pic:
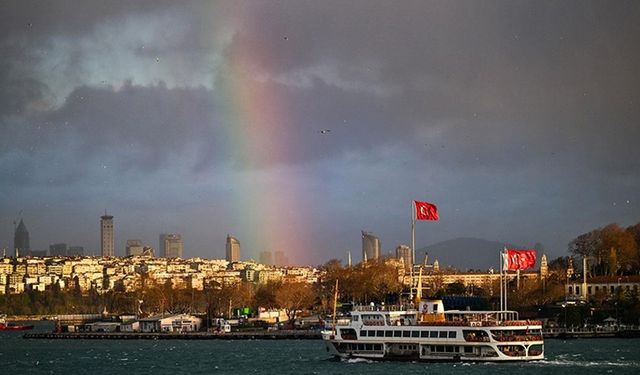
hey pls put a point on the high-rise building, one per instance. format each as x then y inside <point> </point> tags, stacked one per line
<point>21,240</point>
<point>404,252</point>
<point>106,236</point>
<point>280,259</point>
<point>171,245</point>
<point>134,247</point>
<point>75,251</point>
<point>370,246</point>
<point>266,258</point>
<point>58,249</point>
<point>233,249</point>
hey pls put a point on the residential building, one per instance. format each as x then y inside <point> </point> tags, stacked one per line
<point>603,286</point>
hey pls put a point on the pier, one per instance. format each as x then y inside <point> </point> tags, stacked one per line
<point>242,335</point>
<point>590,333</point>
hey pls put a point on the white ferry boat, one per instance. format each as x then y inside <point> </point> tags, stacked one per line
<point>432,334</point>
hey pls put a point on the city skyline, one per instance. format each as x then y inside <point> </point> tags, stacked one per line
<point>295,125</point>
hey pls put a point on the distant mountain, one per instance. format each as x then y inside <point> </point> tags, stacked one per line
<point>464,253</point>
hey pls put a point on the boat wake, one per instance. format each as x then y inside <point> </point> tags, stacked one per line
<point>569,363</point>
<point>356,360</point>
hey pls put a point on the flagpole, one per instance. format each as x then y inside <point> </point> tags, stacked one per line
<point>413,244</point>
<point>506,285</point>
<point>413,234</point>
<point>501,292</point>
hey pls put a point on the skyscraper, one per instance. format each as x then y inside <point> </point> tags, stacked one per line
<point>266,258</point>
<point>280,259</point>
<point>404,252</point>
<point>233,249</point>
<point>106,236</point>
<point>134,247</point>
<point>21,240</point>
<point>370,246</point>
<point>171,245</point>
<point>58,249</point>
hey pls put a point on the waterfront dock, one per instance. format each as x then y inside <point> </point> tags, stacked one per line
<point>242,335</point>
<point>590,333</point>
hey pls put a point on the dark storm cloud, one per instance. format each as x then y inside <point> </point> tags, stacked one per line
<point>146,126</point>
<point>498,107</point>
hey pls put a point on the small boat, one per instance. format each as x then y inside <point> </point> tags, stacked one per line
<point>5,326</point>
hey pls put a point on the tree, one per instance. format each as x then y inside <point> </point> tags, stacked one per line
<point>586,244</point>
<point>621,248</point>
<point>294,297</point>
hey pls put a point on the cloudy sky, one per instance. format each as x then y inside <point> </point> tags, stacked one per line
<point>293,125</point>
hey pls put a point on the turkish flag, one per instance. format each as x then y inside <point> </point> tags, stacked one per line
<point>519,259</point>
<point>426,211</point>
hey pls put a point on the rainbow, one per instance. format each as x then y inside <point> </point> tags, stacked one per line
<point>269,213</point>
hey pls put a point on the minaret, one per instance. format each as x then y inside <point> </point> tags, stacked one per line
<point>570,270</point>
<point>106,235</point>
<point>544,267</point>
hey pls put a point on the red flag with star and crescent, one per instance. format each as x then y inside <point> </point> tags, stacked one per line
<point>519,259</point>
<point>426,211</point>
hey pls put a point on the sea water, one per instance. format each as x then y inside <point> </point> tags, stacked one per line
<point>21,356</point>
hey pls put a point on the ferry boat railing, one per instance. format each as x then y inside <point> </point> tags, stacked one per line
<point>385,308</point>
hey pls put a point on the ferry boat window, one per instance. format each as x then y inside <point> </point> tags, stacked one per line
<point>388,333</point>
<point>415,333</point>
<point>371,334</point>
<point>355,318</point>
<point>363,333</point>
<point>380,333</point>
<point>424,334</point>
<point>406,333</point>
<point>449,349</point>
<point>452,334</point>
<point>397,333</point>
<point>468,349</point>
<point>368,347</point>
<point>440,348</point>
<point>433,334</point>
<point>443,334</point>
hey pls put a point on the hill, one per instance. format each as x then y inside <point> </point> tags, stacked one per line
<point>464,253</point>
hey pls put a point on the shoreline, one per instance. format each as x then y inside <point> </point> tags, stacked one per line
<point>277,335</point>
<point>247,335</point>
